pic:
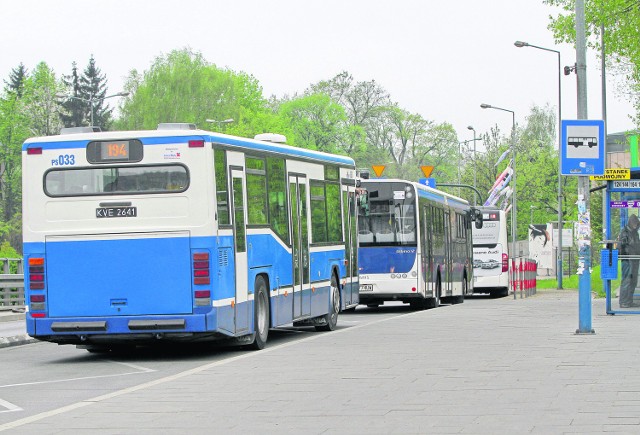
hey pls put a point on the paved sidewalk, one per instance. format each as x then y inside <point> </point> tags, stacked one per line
<point>488,366</point>
<point>12,328</point>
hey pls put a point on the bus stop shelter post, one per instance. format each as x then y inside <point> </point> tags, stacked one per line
<point>607,236</point>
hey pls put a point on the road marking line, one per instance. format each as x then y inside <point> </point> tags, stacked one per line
<point>10,406</point>
<point>195,370</point>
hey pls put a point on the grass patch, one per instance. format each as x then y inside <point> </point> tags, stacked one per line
<point>571,282</point>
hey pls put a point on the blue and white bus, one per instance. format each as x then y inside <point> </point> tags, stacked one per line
<point>182,234</point>
<point>415,244</point>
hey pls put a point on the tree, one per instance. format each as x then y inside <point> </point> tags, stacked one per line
<point>363,103</point>
<point>74,110</point>
<point>537,168</point>
<point>316,122</point>
<point>620,20</point>
<point>17,77</point>
<point>410,141</point>
<point>93,87</point>
<point>40,102</point>
<point>183,87</point>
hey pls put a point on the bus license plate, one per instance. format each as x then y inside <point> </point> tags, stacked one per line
<point>366,287</point>
<point>112,212</point>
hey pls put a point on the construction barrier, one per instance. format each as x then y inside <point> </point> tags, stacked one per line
<point>524,273</point>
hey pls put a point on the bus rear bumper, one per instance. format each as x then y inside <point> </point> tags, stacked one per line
<point>371,298</point>
<point>139,329</point>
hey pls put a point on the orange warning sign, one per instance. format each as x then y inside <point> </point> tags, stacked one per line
<point>427,170</point>
<point>378,169</point>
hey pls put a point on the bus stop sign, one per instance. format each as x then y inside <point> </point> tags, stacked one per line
<point>582,148</point>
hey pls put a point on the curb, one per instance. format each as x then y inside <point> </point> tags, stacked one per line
<point>16,341</point>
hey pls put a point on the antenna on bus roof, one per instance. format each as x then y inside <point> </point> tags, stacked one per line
<point>271,137</point>
<point>176,126</point>
<point>76,130</point>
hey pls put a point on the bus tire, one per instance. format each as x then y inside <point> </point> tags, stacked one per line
<point>437,293</point>
<point>260,314</point>
<point>331,319</point>
<point>465,289</point>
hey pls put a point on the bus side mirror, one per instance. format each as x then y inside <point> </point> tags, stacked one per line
<point>476,216</point>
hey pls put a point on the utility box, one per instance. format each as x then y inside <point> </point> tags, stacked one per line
<point>609,264</point>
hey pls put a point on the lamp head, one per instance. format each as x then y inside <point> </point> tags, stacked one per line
<point>521,44</point>
<point>471,128</point>
<point>485,106</point>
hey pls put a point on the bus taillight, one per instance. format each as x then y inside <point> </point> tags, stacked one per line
<point>203,298</point>
<point>505,263</point>
<point>36,282</point>
<point>201,268</point>
<point>196,143</point>
<point>36,273</point>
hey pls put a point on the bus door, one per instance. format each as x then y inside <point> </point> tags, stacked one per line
<point>351,292</point>
<point>242,307</point>
<point>300,245</point>
<point>448,260</point>
<point>425,241</point>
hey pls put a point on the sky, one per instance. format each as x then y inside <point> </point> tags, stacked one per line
<point>440,59</point>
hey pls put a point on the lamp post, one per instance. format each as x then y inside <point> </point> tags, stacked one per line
<point>93,100</point>
<point>514,211</point>
<point>220,123</point>
<point>521,44</point>
<point>531,207</point>
<point>474,160</point>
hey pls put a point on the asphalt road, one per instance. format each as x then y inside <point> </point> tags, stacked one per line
<point>41,377</point>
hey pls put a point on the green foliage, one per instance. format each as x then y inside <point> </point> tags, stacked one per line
<point>620,20</point>
<point>315,122</point>
<point>182,87</point>
<point>571,282</point>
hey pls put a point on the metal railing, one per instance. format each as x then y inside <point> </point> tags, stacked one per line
<point>11,283</point>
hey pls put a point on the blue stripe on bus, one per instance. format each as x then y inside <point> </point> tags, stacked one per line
<point>383,259</point>
<point>86,290</point>
<point>282,149</point>
<point>226,140</point>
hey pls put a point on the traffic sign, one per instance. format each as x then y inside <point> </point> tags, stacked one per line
<point>431,182</point>
<point>378,169</point>
<point>582,147</point>
<point>427,170</point>
<point>612,174</point>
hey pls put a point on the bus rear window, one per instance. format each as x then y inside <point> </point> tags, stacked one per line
<point>116,180</point>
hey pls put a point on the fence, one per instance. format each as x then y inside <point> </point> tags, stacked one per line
<point>524,272</point>
<point>11,284</point>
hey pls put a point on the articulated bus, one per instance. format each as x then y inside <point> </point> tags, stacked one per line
<point>180,234</point>
<point>415,244</point>
<point>490,254</point>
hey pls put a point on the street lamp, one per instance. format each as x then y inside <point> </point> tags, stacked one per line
<point>93,100</point>
<point>531,207</point>
<point>474,159</point>
<point>224,121</point>
<point>514,215</point>
<point>521,44</point>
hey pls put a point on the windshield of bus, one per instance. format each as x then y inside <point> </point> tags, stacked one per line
<point>116,180</point>
<point>489,234</point>
<point>387,215</point>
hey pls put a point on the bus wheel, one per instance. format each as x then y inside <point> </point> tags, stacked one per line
<point>331,319</point>
<point>438,292</point>
<point>260,314</point>
<point>465,289</point>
